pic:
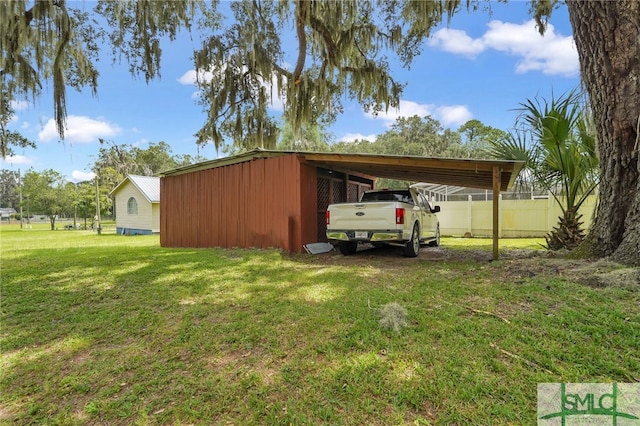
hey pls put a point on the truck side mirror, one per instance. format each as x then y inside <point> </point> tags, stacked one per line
<point>436,209</point>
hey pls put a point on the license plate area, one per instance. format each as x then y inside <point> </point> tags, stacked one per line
<point>361,235</point>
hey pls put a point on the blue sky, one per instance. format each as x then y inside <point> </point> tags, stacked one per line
<point>479,66</point>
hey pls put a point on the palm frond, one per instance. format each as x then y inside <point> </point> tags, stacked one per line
<point>556,140</point>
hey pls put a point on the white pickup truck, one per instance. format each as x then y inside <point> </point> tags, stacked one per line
<point>400,217</point>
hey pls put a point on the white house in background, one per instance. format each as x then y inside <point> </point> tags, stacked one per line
<point>137,205</point>
<point>6,213</point>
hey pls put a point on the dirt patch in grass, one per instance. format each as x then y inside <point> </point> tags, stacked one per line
<point>597,274</point>
<point>515,265</point>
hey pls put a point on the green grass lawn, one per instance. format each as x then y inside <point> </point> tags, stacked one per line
<point>116,330</point>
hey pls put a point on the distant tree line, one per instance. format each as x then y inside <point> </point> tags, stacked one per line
<point>49,193</point>
<point>412,136</point>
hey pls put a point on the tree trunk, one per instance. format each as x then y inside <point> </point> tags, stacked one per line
<point>607,37</point>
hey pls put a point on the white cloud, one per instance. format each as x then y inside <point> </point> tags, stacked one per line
<point>405,109</point>
<point>457,41</point>
<point>447,114</point>
<point>551,54</point>
<point>17,160</point>
<point>190,77</point>
<point>78,176</point>
<point>352,137</point>
<point>455,115</point>
<point>19,105</point>
<point>79,130</point>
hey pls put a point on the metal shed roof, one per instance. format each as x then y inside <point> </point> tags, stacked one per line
<point>149,186</point>
<point>444,171</point>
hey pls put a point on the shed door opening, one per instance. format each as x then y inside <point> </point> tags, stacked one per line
<point>332,189</point>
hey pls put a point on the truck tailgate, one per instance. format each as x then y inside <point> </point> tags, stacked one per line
<point>369,215</point>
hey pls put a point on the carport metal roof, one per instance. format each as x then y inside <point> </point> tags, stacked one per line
<point>445,171</point>
<point>497,175</point>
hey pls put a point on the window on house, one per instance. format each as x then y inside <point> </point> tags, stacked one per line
<point>132,206</point>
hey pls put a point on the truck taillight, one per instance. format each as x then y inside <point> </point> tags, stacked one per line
<point>328,216</point>
<point>399,216</point>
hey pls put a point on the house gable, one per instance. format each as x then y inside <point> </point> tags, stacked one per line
<point>137,208</point>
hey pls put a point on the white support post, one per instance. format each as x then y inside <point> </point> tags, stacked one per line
<point>469,213</point>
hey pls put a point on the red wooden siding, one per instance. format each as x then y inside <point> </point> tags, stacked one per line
<point>309,204</point>
<point>268,202</point>
<point>265,202</point>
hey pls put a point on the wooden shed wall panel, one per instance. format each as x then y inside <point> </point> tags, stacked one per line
<point>309,204</point>
<point>252,204</point>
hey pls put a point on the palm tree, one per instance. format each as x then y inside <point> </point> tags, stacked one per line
<point>557,143</point>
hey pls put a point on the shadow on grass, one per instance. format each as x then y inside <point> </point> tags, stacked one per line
<point>89,332</point>
<point>138,333</point>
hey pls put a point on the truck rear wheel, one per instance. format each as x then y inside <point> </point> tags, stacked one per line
<point>412,247</point>
<point>347,247</point>
<point>436,241</point>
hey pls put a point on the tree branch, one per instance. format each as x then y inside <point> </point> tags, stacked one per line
<point>518,357</point>
<point>320,27</point>
<point>302,40</point>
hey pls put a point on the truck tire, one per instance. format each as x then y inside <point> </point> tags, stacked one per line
<point>348,247</point>
<point>436,241</point>
<point>412,247</point>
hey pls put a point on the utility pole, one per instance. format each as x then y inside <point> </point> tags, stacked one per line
<point>98,207</point>
<point>20,188</point>
<point>75,205</point>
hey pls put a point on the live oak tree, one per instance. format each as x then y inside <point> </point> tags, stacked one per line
<point>310,137</point>
<point>341,52</point>
<point>9,189</point>
<point>420,137</point>
<point>114,162</point>
<point>426,136</point>
<point>10,138</point>
<point>84,201</point>
<point>477,138</point>
<point>607,36</point>
<point>423,136</point>
<point>44,42</point>
<point>44,193</point>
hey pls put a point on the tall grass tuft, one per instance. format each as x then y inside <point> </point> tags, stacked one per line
<point>393,317</point>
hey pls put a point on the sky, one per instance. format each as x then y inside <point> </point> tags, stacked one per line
<point>479,65</point>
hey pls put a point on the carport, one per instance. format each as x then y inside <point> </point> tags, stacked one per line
<point>496,175</point>
<point>267,198</point>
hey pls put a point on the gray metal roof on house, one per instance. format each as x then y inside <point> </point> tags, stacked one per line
<point>7,211</point>
<point>149,186</point>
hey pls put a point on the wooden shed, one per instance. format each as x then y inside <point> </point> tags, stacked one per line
<point>137,205</point>
<point>257,199</point>
<point>279,198</point>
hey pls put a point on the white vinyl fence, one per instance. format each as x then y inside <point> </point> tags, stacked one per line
<point>517,218</point>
